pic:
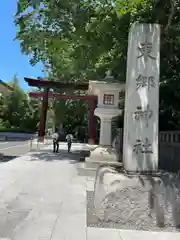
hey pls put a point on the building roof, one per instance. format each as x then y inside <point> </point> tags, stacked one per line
<point>56,84</point>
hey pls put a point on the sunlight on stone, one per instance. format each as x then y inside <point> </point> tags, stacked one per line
<point>143,94</point>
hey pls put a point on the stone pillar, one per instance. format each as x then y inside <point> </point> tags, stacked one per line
<point>105,132</point>
<point>140,148</point>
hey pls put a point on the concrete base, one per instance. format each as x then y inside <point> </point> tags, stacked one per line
<point>102,155</point>
<point>141,202</point>
<point>98,156</point>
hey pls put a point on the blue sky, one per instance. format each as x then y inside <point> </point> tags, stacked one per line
<point>12,61</point>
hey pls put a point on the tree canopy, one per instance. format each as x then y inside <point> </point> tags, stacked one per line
<point>17,110</point>
<point>83,39</point>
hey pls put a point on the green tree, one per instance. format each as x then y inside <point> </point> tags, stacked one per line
<point>13,106</point>
<point>17,110</point>
<point>31,115</point>
<point>82,39</point>
<point>75,114</point>
<point>70,113</point>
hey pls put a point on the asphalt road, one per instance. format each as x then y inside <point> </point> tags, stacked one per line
<point>12,149</point>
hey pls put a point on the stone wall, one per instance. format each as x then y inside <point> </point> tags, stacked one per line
<point>19,136</point>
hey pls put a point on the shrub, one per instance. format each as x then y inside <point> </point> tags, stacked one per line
<point>15,130</point>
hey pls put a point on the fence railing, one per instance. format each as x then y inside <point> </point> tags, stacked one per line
<point>169,150</point>
<point>169,136</point>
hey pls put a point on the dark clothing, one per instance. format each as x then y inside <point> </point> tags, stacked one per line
<point>55,146</point>
<point>69,143</point>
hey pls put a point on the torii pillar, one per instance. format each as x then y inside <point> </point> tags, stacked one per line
<point>43,115</point>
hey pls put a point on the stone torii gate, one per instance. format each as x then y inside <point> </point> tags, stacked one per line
<point>69,87</point>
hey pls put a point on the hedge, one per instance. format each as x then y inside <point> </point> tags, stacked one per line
<point>16,130</point>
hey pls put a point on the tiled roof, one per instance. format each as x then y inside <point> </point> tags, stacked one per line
<point>56,84</point>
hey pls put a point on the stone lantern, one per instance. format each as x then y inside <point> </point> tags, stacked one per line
<point>108,93</point>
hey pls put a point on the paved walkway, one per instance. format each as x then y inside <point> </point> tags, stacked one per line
<point>43,198</point>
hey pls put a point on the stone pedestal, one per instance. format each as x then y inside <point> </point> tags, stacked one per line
<point>105,153</point>
<point>140,202</point>
<point>106,115</point>
<point>105,132</point>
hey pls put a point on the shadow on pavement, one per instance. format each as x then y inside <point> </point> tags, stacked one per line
<point>47,155</point>
<point>7,158</point>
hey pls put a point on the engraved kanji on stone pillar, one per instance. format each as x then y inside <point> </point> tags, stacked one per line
<point>140,149</point>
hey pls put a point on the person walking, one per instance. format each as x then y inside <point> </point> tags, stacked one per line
<point>56,138</point>
<point>69,138</point>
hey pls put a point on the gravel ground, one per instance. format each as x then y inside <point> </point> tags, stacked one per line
<point>135,223</point>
